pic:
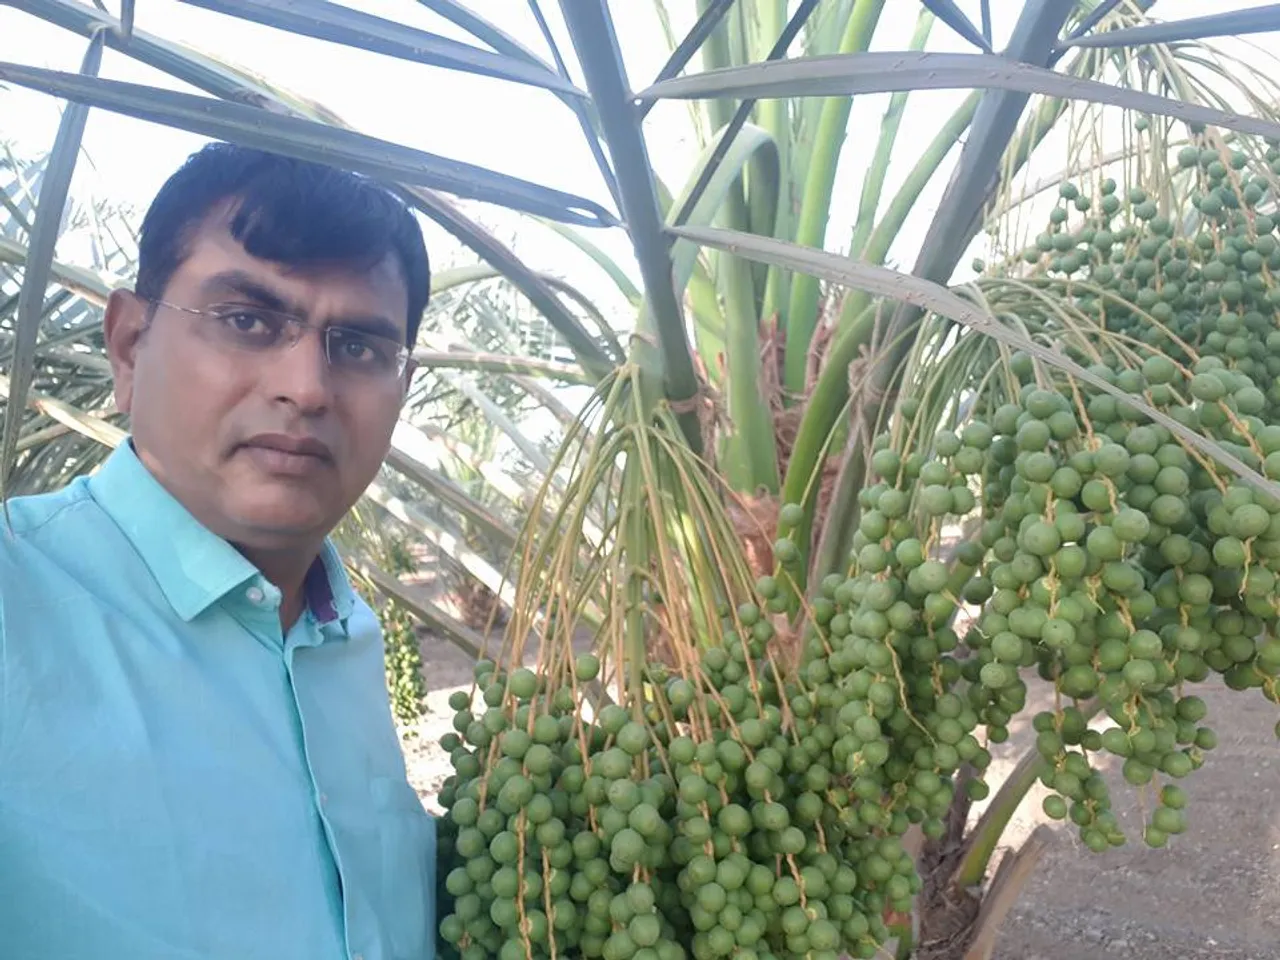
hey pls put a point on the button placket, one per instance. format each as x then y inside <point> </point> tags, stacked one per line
<point>291,645</point>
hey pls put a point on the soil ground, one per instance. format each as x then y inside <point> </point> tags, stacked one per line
<point>1212,894</point>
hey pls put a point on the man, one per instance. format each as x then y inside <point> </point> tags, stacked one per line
<point>197,756</point>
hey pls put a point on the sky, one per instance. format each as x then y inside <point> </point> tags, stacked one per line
<point>518,130</point>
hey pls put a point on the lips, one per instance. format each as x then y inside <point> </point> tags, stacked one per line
<point>287,443</point>
<point>279,453</point>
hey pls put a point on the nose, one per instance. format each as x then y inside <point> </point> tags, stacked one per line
<point>299,374</point>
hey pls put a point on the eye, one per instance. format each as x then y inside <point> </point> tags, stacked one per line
<point>247,321</point>
<point>357,348</point>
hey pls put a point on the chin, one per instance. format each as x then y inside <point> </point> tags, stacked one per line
<point>283,517</point>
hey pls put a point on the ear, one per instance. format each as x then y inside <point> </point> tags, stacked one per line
<point>124,323</point>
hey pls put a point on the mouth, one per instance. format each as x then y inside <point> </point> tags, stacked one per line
<point>287,455</point>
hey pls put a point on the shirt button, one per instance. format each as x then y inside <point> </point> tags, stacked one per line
<point>255,595</point>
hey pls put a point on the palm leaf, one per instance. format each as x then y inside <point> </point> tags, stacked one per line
<point>37,268</point>
<point>1262,19</point>
<point>230,83</point>
<point>444,540</point>
<point>337,24</point>
<point>994,123</point>
<point>954,17</point>
<point>885,72</point>
<point>449,279</point>
<point>78,421</point>
<point>89,284</point>
<point>708,19</point>
<point>430,436</point>
<point>309,140</point>
<point>605,262</point>
<point>453,496</point>
<point>328,21</point>
<point>482,29</point>
<point>499,363</point>
<point>752,143</point>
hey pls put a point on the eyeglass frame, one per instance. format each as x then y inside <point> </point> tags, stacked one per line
<point>402,353</point>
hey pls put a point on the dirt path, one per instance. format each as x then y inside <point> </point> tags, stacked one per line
<point>1212,894</point>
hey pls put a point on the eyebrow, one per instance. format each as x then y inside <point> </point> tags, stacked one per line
<point>243,284</point>
<point>374,324</point>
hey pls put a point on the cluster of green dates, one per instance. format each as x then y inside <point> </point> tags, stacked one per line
<point>737,808</point>
<point>715,817</point>
<point>1207,294</point>
<point>1123,569</point>
<point>1117,561</point>
<point>1122,563</point>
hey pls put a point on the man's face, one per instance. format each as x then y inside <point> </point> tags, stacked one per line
<point>216,425</point>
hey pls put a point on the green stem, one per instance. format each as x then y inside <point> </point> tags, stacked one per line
<point>906,942</point>
<point>801,317</point>
<point>764,209</point>
<point>751,456</point>
<point>822,35</point>
<point>638,564</point>
<point>984,839</point>
<point>842,515</point>
<point>873,182</point>
<point>715,54</point>
<point>769,215</point>
<point>904,201</point>
<point>823,410</point>
<point>709,328</point>
<point>599,257</point>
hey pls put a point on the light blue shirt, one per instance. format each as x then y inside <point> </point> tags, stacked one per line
<point>178,778</point>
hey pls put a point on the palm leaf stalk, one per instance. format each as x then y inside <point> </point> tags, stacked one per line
<point>591,28</point>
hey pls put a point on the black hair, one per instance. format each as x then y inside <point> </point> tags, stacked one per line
<point>287,211</point>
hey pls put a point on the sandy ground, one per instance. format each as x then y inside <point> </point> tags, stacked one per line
<point>1212,894</point>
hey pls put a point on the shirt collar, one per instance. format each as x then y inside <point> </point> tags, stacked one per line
<point>193,566</point>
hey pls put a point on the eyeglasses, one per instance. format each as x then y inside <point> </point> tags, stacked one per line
<point>247,328</point>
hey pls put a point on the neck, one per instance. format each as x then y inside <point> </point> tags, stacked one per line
<point>287,570</point>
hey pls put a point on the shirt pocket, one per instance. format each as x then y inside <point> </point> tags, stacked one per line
<point>407,834</point>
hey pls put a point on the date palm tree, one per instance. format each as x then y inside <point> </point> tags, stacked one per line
<point>756,366</point>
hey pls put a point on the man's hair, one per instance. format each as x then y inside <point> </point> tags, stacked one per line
<point>287,211</point>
